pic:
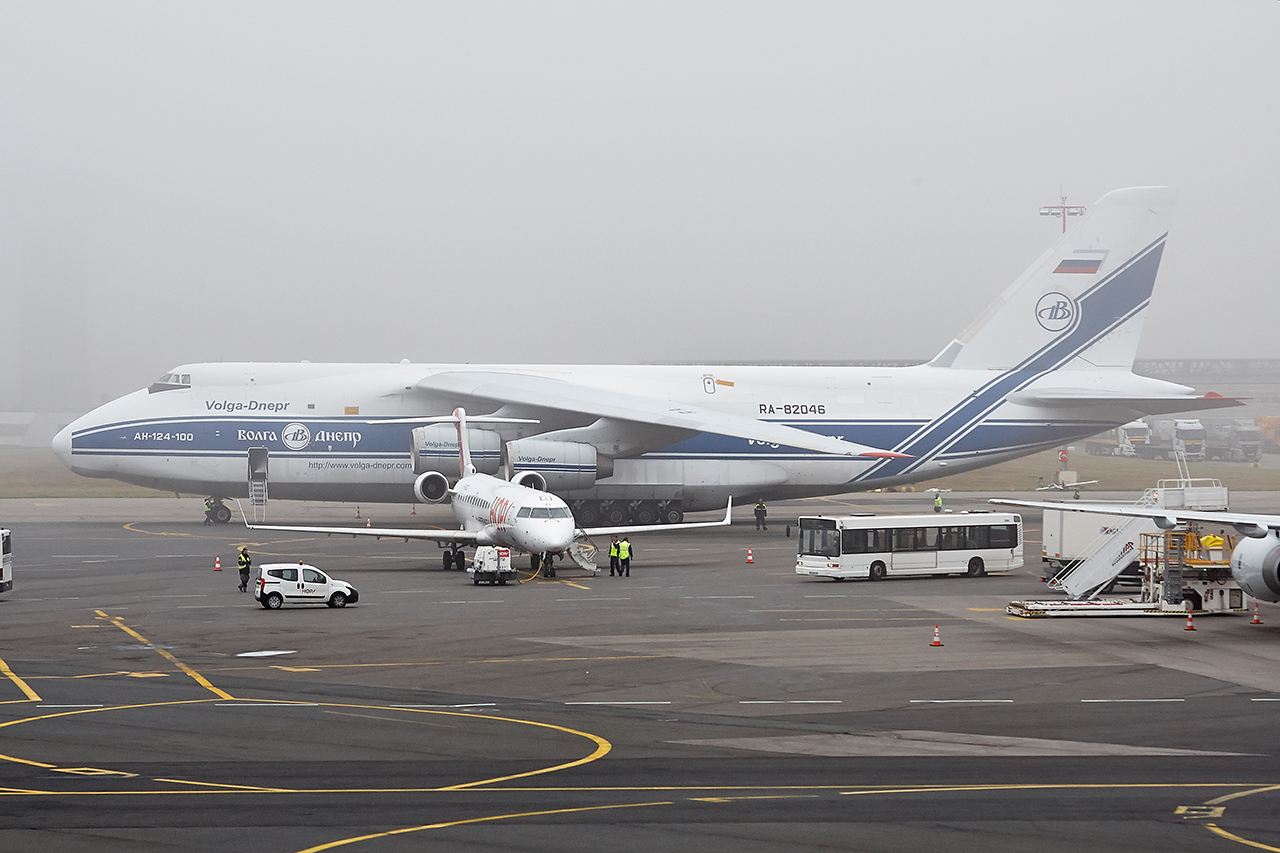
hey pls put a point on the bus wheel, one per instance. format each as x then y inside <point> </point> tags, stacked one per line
<point>976,568</point>
<point>877,571</point>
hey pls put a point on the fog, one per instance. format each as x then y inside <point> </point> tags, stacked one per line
<point>603,182</point>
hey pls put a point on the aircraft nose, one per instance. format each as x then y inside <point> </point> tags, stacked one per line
<point>62,445</point>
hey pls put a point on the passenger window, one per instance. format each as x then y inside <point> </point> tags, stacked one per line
<point>1003,536</point>
<point>289,574</point>
<point>904,539</point>
<point>979,536</point>
<point>312,576</point>
<point>928,539</point>
<point>275,573</point>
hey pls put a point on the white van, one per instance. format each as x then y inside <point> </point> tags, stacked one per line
<point>288,583</point>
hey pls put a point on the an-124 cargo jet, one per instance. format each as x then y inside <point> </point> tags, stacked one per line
<point>1050,362</point>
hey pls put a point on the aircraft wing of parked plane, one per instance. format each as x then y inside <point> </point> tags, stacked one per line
<point>1255,561</point>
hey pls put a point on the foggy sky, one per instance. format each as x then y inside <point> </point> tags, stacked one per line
<point>612,182</point>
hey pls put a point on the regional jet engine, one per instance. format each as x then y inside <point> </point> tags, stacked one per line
<point>557,466</point>
<point>431,487</point>
<point>435,448</point>
<point>1255,564</point>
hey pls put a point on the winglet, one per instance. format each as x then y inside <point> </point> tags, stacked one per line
<point>728,511</point>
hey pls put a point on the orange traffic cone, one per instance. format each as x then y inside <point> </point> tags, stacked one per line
<point>217,562</point>
<point>1256,620</point>
<point>937,641</point>
<point>369,522</point>
<point>413,510</point>
<point>1190,626</point>
<point>749,560</point>
<point>357,512</point>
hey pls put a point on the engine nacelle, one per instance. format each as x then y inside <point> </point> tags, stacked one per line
<point>562,465</point>
<point>435,448</point>
<point>530,480</point>
<point>1255,564</point>
<point>431,487</point>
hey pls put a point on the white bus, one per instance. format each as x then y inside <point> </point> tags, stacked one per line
<point>881,546</point>
<point>6,561</point>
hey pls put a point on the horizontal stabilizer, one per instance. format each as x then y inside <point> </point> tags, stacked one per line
<point>1160,405</point>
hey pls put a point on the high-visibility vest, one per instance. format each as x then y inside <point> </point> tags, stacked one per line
<point>937,501</point>
<point>624,550</point>
<point>244,562</point>
<point>613,549</point>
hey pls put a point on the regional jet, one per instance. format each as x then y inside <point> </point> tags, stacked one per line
<point>493,511</point>
<point>1050,362</point>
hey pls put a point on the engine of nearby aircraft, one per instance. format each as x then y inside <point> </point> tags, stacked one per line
<point>1255,565</point>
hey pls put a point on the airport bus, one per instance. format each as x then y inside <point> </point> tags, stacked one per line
<point>882,546</point>
<point>6,561</point>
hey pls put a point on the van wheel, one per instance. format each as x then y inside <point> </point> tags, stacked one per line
<point>338,599</point>
<point>977,568</point>
<point>475,580</point>
<point>273,601</point>
<point>877,571</point>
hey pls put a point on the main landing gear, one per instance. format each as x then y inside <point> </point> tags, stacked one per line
<point>218,513</point>
<point>592,513</point>
<point>455,559</point>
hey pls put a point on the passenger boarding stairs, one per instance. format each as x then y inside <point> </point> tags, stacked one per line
<point>258,483</point>
<point>1108,555</point>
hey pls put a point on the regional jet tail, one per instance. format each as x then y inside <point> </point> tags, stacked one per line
<point>1049,363</point>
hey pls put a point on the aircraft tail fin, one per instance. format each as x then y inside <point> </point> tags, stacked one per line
<point>1083,302</point>
<point>459,417</point>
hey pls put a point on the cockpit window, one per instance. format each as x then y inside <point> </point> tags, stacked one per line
<point>560,512</point>
<point>523,513</point>
<point>540,512</point>
<point>170,382</point>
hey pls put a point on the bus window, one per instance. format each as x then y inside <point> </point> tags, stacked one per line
<point>904,539</point>
<point>950,538</point>
<point>978,536</point>
<point>853,542</point>
<point>819,537</point>
<point>1003,535</point>
<point>927,539</point>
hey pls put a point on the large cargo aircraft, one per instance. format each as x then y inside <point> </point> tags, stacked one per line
<point>1050,362</point>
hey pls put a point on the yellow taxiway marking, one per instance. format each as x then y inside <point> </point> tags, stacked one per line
<point>408,829</point>
<point>130,526</point>
<point>197,677</point>
<point>22,685</point>
<point>578,585</point>
<point>1219,831</point>
<point>230,788</point>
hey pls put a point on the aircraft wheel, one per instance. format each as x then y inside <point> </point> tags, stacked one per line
<point>587,514</point>
<point>672,515</point>
<point>221,514</point>
<point>535,562</point>
<point>646,513</point>
<point>615,515</point>
<point>460,560</point>
<point>448,560</point>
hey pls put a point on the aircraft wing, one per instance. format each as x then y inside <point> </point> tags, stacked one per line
<point>662,528</point>
<point>547,393</point>
<point>1250,524</point>
<point>1151,405</point>
<point>461,537</point>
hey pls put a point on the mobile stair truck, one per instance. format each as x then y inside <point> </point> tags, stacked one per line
<point>1184,569</point>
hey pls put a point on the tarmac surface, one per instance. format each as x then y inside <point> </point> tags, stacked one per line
<point>703,703</point>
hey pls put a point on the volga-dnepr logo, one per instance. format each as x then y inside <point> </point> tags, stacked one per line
<point>295,436</point>
<point>1055,311</point>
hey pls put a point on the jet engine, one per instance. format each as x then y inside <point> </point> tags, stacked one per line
<point>435,448</point>
<point>1255,564</point>
<point>431,487</point>
<point>560,465</point>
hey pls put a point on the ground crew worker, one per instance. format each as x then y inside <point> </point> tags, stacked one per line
<point>624,557</point>
<point>245,563</point>
<point>614,565</point>
<point>937,502</point>
<point>208,510</point>
<point>761,512</point>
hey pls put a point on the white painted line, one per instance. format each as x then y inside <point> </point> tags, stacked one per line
<point>264,704</point>
<point>267,654</point>
<point>402,591</point>
<point>84,557</point>
<point>617,703</point>
<point>1133,700</point>
<point>484,601</point>
<point>197,595</point>
<point>719,596</point>
<point>70,706</point>
<point>815,701</point>
<point>761,702</point>
<point>826,596</point>
<point>472,705</point>
<point>593,599</point>
<point>1264,700</point>
<point>960,701</point>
